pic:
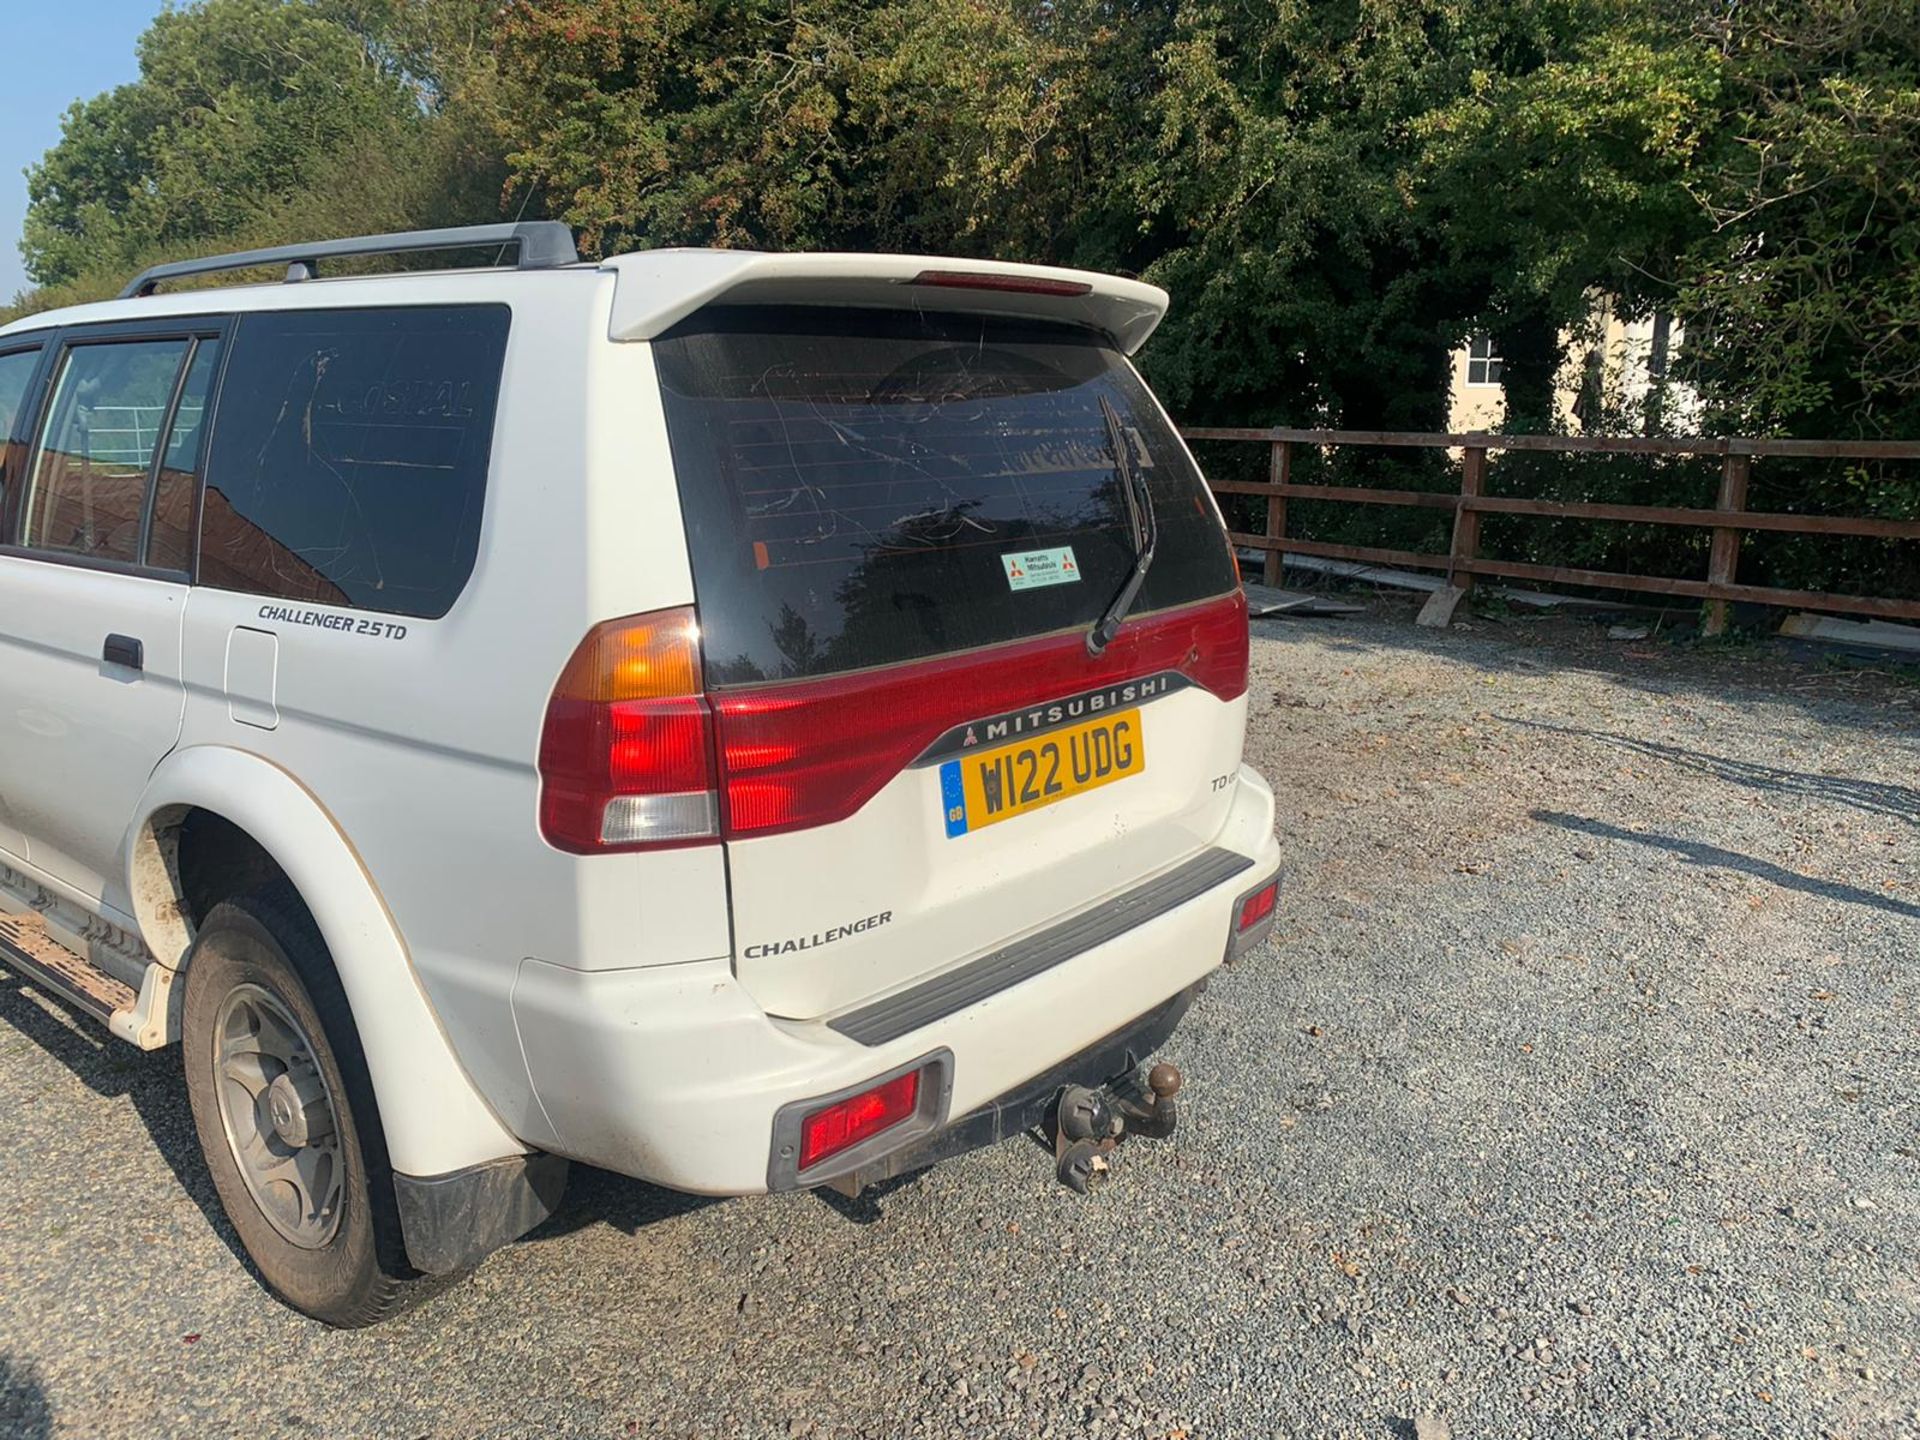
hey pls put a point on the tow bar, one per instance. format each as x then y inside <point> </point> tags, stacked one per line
<point>1088,1123</point>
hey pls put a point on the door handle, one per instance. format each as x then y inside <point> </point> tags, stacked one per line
<point>124,650</point>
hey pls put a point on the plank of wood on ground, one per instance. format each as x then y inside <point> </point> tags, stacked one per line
<point>1264,601</point>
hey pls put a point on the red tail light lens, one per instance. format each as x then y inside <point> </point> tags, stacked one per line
<point>844,1124</point>
<point>634,756</point>
<point>810,752</point>
<point>626,753</point>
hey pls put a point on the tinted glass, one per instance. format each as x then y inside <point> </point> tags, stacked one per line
<point>864,487</point>
<point>16,373</point>
<point>170,539</point>
<point>87,485</point>
<point>349,461</point>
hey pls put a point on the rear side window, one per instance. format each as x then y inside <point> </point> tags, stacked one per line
<point>16,374</point>
<point>349,456</point>
<point>866,487</point>
<point>87,483</point>
<point>170,533</point>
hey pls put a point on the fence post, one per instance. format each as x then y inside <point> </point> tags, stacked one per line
<point>1723,560</point>
<point>1466,522</point>
<point>1272,571</point>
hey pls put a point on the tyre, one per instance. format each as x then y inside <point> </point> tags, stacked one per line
<point>285,1113</point>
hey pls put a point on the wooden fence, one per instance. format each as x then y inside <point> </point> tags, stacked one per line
<point>1729,520</point>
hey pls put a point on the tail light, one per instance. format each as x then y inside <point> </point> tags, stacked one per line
<point>810,752</point>
<point>626,753</point>
<point>634,755</point>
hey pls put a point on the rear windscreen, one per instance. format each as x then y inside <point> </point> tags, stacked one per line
<point>865,487</point>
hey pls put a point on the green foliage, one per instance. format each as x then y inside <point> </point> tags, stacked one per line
<point>1569,176</point>
<point>1294,175</point>
<point>1336,192</point>
<point>261,120</point>
<point>237,101</point>
<point>1805,288</point>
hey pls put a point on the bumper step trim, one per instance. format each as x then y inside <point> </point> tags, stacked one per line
<point>998,970</point>
<point>1026,1107</point>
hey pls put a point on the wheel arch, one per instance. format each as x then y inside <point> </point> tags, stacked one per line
<point>435,1119</point>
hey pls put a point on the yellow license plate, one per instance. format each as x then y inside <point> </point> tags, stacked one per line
<point>993,785</point>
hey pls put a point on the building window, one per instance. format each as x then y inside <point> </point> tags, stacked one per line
<point>1483,366</point>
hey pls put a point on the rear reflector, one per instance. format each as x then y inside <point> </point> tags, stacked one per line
<point>1015,284</point>
<point>1258,906</point>
<point>845,1123</point>
<point>1253,915</point>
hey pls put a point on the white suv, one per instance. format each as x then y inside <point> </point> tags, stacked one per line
<point>746,721</point>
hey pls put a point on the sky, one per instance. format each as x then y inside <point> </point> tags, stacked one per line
<point>58,53</point>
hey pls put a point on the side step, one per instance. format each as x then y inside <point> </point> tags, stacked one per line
<point>139,1017</point>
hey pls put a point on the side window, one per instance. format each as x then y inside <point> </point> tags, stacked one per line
<point>16,373</point>
<point>87,483</point>
<point>170,537</point>
<point>349,463</point>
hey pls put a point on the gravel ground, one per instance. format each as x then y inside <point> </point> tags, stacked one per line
<point>1576,1096</point>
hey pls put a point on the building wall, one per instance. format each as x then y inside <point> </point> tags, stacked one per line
<point>1470,406</point>
<point>1626,352</point>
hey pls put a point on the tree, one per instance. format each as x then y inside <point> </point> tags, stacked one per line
<point>1568,176</point>
<point>1260,164</point>
<point>1803,297</point>
<point>1335,191</point>
<point>262,120</point>
<point>238,102</point>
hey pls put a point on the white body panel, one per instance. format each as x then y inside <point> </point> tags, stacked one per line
<point>79,736</point>
<point>434,1120</point>
<point>675,1074</point>
<point>509,995</point>
<point>952,899</point>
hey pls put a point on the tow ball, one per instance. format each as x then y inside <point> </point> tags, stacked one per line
<point>1089,1122</point>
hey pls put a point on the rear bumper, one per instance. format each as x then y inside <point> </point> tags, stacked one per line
<point>1026,1107</point>
<point>675,1074</point>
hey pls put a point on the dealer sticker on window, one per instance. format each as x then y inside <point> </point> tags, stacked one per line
<point>1029,568</point>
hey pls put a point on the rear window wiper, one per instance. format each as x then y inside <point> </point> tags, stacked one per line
<point>1142,524</point>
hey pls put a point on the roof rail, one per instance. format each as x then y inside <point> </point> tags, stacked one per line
<point>539,245</point>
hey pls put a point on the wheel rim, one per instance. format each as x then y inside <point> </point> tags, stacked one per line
<point>279,1116</point>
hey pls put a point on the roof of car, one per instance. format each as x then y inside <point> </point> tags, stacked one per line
<point>655,289</point>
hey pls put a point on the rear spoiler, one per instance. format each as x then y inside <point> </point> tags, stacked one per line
<point>656,289</point>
